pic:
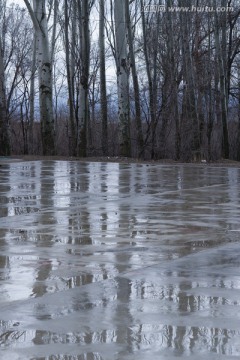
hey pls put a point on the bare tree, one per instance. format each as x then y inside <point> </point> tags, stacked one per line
<point>39,19</point>
<point>171,78</point>
<point>221,46</point>
<point>190,128</point>
<point>4,124</point>
<point>83,11</point>
<point>150,35</point>
<point>32,93</point>
<point>122,64</point>
<point>182,86</point>
<point>103,90</point>
<point>133,67</point>
<point>69,49</point>
<point>238,129</point>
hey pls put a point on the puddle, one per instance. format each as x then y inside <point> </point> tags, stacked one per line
<point>119,261</point>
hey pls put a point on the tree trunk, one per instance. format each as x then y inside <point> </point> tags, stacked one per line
<point>221,56</point>
<point>190,142</point>
<point>103,90</point>
<point>72,142</point>
<point>175,80</point>
<point>238,130</point>
<point>151,70</point>
<point>4,124</point>
<point>135,84</point>
<point>209,96</point>
<point>122,78</point>
<point>38,15</point>
<point>32,95</point>
<point>84,79</point>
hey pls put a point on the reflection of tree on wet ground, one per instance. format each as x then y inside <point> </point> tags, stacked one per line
<point>95,222</point>
<point>9,335</point>
<point>44,240</point>
<point>185,339</point>
<point>4,189</point>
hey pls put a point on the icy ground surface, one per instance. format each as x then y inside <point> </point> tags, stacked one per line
<point>107,261</point>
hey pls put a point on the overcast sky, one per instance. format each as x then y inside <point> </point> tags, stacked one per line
<point>20,2</point>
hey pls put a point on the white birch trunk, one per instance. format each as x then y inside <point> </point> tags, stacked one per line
<point>122,78</point>
<point>38,15</point>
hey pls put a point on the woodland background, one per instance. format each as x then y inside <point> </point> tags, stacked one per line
<point>119,78</point>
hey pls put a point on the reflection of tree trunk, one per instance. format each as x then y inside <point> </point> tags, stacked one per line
<point>46,176</point>
<point>4,123</point>
<point>80,224</point>
<point>40,287</point>
<point>124,292</point>
<point>5,181</point>
<point>124,285</point>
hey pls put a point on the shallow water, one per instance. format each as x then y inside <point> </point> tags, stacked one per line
<point>119,261</point>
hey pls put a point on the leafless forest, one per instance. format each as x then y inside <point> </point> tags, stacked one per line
<point>147,79</point>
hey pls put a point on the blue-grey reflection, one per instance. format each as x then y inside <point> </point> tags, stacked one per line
<point>140,258</point>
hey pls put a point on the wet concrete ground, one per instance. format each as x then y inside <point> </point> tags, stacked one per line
<point>119,261</point>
